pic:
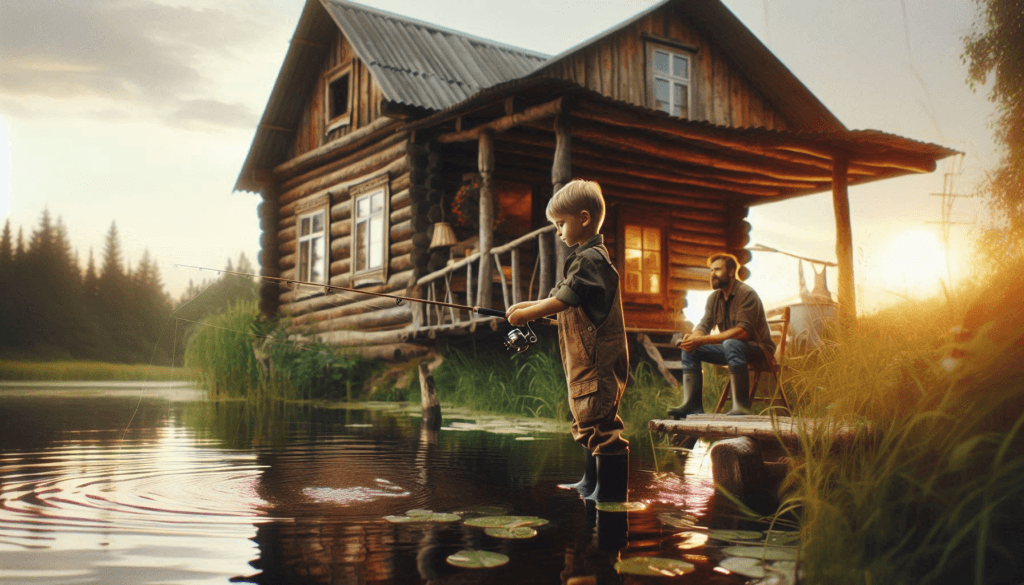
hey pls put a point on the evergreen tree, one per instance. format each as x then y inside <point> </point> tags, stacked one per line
<point>6,245</point>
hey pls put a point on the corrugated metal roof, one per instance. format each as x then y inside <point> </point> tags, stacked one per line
<point>425,65</point>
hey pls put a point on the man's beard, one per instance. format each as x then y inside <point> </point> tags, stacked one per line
<point>717,284</point>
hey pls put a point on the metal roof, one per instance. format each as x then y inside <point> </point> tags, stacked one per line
<point>421,64</point>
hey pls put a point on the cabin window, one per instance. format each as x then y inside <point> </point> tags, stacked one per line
<point>644,260</point>
<point>338,100</point>
<point>370,231</point>
<point>313,247</point>
<point>671,74</point>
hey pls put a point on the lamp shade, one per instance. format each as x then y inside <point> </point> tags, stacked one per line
<point>443,236</point>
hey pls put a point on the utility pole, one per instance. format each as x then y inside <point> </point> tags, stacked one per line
<point>949,196</point>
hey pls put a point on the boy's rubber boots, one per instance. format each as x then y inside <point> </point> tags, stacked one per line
<point>693,395</point>
<point>612,477</point>
<point>587,484</point>
<point>739,382</point>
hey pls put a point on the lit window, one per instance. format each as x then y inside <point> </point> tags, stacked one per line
<point>312,247</point>
<point>369,231</point>
<point>643,260</point>
<point>671,77</point>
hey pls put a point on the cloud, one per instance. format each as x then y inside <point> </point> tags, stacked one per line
<point>213,113</point>
<point>75,57</point>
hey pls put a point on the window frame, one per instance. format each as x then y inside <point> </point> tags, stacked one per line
<point>310,211</point>
<point>653,220</point>
<point>376,274</point>
<point>333,123</point>
<point>672,49</point>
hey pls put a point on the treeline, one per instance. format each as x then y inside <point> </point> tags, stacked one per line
<point>52,308</point>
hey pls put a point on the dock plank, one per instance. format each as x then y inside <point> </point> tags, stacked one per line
<point>782,429</point>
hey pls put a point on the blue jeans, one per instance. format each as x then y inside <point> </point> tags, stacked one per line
<point>732,352</point>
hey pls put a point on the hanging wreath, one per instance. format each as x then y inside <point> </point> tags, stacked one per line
<point>466,206</point>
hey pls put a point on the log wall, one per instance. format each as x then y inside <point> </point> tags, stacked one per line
<point>616,67</point>
<point>366,99</point>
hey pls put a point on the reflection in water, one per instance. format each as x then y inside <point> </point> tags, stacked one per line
<point>194,492</point>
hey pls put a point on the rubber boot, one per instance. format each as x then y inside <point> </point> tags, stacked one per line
<point>612,477</point>
<point>585,485</point>
<point>693,395</point>
<point>739,381</point>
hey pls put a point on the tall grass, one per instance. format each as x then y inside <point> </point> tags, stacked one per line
<point>938,497</point>
<point>88,371</point>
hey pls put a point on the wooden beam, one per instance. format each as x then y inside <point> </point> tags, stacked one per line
<point>485,165</point>
<point>561,173</point>
<point>503,123</point>
<point>844,243</point>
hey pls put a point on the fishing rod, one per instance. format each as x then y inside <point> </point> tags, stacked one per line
<point>516,339</point>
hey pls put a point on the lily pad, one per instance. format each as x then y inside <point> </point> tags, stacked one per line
<point>737,536</point>
<point>745,566</point>
<point>505,521</point>
<point>771,553</point>
<point>484,511</point>
<point>689,540</point>
<point>477,559</point>
<point>654,567</point>
<point>403,519</point>
<point>782,538</point>
<point>511,532</point>
<point>786,570</point>
<point>419,512</point>
<point>683,520</point>
<point>443,517</point>
<point>621,506</point>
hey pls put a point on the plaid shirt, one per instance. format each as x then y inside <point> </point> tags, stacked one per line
<point>742,308</point>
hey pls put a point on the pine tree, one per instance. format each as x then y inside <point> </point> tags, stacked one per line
<point>6,245</point>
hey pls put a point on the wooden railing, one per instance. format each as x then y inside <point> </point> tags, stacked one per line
<point>437,286</point>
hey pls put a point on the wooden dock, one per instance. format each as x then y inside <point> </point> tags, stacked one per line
<point>782,430</point>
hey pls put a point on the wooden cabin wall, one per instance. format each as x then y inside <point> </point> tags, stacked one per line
<point>350,318</point>
<point>616,67</point>
<point>366,99</point>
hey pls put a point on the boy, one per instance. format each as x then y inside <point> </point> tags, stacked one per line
<point>591,337</point>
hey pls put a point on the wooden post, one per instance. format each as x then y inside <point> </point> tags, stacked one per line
<point>485,164</point>
<point>428,398</point>
<point>561,173</point>
<point>544,252</point>
<point>844,242</point>
<point>514,262</point>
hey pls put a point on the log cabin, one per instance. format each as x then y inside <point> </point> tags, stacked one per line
<point>381,127</point>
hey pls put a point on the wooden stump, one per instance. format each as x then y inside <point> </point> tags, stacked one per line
<point>428,397</point>
<point>738,468</point>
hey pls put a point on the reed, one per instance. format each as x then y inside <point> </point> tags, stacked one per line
<point>69,371</point>
<point>936,498</point>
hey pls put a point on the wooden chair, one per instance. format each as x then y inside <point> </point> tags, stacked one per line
<point>771,368</point>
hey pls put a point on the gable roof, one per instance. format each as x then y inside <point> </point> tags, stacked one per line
<point>745,52</point>
<point>421,64</point>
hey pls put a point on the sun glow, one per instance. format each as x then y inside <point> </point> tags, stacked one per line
<point>914,264</point>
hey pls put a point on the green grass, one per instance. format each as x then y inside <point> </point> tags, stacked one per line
<point>67,371</point>
<point>937,499</point>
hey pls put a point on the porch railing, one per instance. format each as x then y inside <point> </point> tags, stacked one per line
<point>438,285</point>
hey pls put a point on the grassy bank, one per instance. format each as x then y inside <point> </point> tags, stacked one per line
<point>67,371</point>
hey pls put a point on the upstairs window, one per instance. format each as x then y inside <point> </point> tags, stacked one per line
<point>644,260</point>
<point>671,77</point>
<point>313,247</point>
<point>338,100</point>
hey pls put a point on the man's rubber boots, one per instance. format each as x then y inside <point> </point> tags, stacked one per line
<point>739,382</point>
<point>693,395</point>
<point>612,477</point>
<point>586,485</point>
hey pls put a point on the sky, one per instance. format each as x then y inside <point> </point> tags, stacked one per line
<point>141,112</point>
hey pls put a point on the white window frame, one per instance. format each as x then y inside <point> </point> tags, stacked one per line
<point>672,79</point>
<point>311,243</point>
<point>370,246</point>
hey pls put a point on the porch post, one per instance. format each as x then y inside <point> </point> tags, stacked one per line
<point>844,242</point>
<point>485,164</point>
<point>561,173</point>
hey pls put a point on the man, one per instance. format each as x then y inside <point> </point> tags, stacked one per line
<point>743,338</point>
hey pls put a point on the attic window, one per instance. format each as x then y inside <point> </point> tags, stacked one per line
<point>671,81</point>
<point>339,99</point>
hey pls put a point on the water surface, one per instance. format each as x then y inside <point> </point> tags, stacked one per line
<point>128,483</point>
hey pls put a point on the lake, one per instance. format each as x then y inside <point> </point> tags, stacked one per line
<point>150,483</point>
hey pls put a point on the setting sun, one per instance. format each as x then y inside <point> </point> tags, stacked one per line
<point>914,263</point>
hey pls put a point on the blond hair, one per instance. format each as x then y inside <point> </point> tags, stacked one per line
<point>576,196</point>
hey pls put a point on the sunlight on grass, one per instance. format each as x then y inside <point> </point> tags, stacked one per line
<point>74,371</point>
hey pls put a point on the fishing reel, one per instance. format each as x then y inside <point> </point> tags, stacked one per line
<point>519,340</point>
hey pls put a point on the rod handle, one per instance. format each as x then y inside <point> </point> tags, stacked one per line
<point>489,312</point>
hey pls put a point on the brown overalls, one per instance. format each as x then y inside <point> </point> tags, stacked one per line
<point>596,363</point>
